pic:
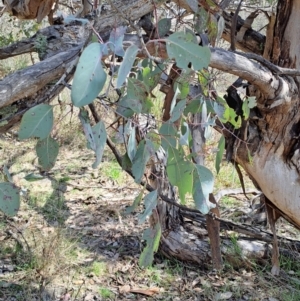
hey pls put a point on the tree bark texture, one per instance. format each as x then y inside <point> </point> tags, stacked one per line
<point>271,135</point>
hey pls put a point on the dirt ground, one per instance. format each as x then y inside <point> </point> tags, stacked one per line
<point>72,240</point>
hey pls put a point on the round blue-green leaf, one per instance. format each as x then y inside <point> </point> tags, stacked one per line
<point>89,77</point>
<point>116,38</point>
<point>32,177</point>
<point>140,161</point>
<point>163,26</point>
<point>193,5</point>
<point>47,151</point>
<point>181,47</point>
<point>37,122</point>
<point>9,199</point>
<point>168,134</point>
<point>127,64</point>
<point>203,185</point>
<point>219,155</point>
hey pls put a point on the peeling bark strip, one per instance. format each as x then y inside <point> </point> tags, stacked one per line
<point>273,216</point>
<point>213,229</point>
<point>281,47</point>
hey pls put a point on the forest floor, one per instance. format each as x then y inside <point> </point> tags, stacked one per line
<point>72,240</point>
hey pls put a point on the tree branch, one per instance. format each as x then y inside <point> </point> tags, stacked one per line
<point>30,80</point>
<point>241,66</point>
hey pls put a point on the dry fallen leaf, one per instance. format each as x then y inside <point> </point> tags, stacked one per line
<point>223,296</point>
<point>124,289</point>
<point>148,291</point>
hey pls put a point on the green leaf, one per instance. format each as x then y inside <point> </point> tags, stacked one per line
<point>178,110</point>
<point>32,177</point>
<point>94,39</point>
<point>151,77</point>
<point>230,116</point>
<point>185,134</point>
<point>183,83</point>
<point>131,147</point>
<point>37,122</point>
<point>174,99</point>
<point>136,96</point>
<point>193,4</point>
<point>220,111</point>
<point>246,109</point>
<point>150,203</point>
<point>204,113</point>
<point>180,172</point>
<point>201,20</point>
<point>251,102</point>
<point>212,27</point>
<point>120,135</point>
<point>195,106</point>
<point>221,26</point>
<point>203,183</point>
<point>155,140</point>
<point>7,175</point>
<point>126,65</point>
<point>152,236</point>
<point>168,134</point>
<point>123,108</point>
<point>99,134</point>
<point>87,129</point>
<point>9,199</point>
<point>96,136</point>
<point>219,156</point>
<point>163,26</point>
<point>126,163</point>
<point>181,47</point>
<point>140,160</point>
<point>47,151</point>
<point>136,202</point>
<point>89,78</point>
<point>116,38</point>
<point>248,103</point>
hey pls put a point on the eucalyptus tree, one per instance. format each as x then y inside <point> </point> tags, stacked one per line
<point>170,44</point>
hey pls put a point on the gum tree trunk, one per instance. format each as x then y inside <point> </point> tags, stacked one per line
<point>272,133</point>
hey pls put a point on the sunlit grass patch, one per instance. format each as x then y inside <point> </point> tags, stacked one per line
<point>105,293</point>
<point>229,202</point>
<point>113,171</point>
<point>98,268</point>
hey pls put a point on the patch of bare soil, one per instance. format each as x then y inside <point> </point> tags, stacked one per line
<point>72,241</point>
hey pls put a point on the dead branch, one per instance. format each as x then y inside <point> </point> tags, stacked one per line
<point>28,81</point>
